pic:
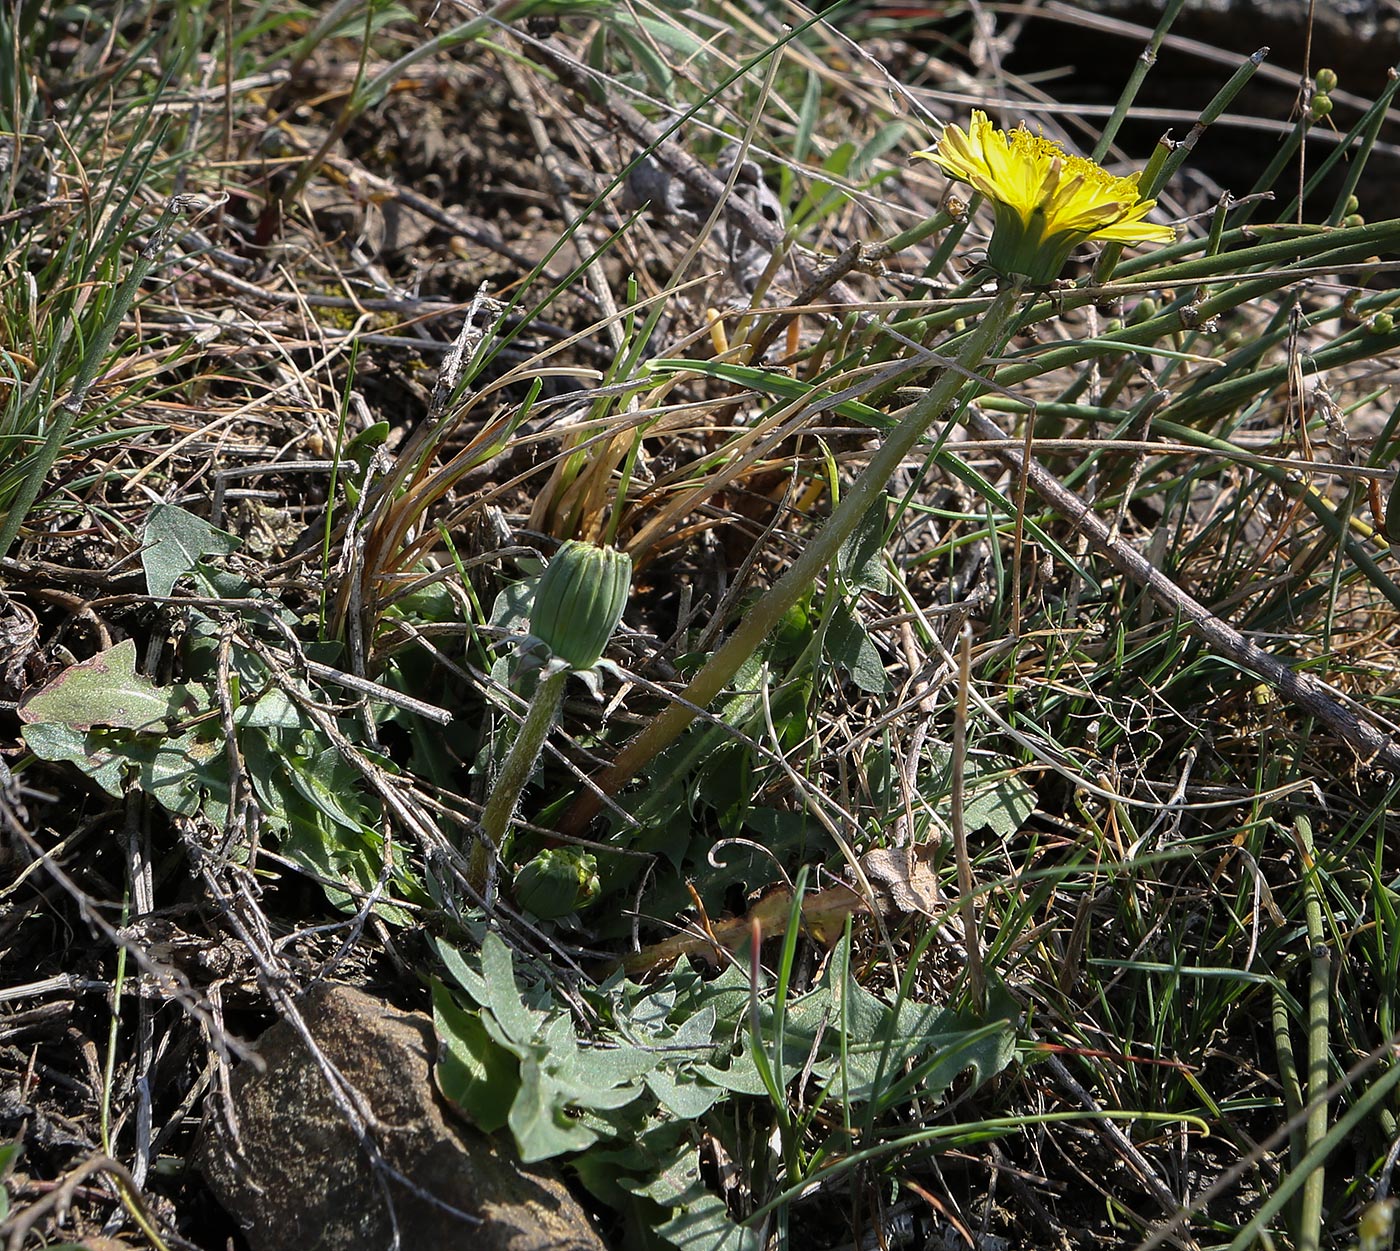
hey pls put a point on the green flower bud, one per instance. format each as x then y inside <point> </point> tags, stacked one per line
<point>1321,105</point>
<point>1352,205</point>
<point>1381,323</point>
<point>557,882</point>
<point>1355,219</point>
<point>1147,308</point>
<point>579,602</point>
<point>1326,80</point>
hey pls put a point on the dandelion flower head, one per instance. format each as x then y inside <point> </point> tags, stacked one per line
<point>1047,200</point>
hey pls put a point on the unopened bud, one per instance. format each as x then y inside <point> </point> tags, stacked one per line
<point>579,601</point>
<point>1326,80</point>
<point>1321,105</point>
<point>1147,308</point>
<point>557,882</point>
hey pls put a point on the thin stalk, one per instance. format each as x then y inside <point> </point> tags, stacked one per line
<point>892,246</point>
<point>104,1112</point>
<point>1205,119</point>
<point>519,765</point>
<point>1287,150</point>
<point>1309,1234</point>
<point>759,622</point>
<point>1288,1074</point>
<point>946,246</point>
<point>967,903</point>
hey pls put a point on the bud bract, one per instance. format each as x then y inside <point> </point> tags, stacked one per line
<point>579,602</point>
<point>557,882</point>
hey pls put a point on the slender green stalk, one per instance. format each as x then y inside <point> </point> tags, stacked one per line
<point>941,220</point>
<point>520,763</point>
<point>967,902</point>
<point>1287,150</point>
<point>1206,118</point>
<point>1288,1071</point>
<point>1309,1233</point>
<point>104,1111</point>
<point>772,1071</point>
<point>758,622</point>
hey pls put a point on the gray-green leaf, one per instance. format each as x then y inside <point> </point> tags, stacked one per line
<point>175,542</point>
<point>106,690</point>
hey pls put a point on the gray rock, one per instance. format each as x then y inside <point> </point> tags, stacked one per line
<point>303,1182</point>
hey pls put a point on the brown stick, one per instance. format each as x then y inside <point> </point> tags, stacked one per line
<point>1375,747</point>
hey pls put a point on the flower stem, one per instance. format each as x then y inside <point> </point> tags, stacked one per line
<point>519,765</point>
<point>759,621</point>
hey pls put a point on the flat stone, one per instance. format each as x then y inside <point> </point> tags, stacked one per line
<point>302,1181</point>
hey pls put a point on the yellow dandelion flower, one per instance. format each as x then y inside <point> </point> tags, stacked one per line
<point>1047,201</point>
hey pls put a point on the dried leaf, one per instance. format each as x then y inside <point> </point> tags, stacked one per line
<point>904,880</point>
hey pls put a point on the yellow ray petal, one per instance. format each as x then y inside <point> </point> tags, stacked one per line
<point>1058,198</point>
